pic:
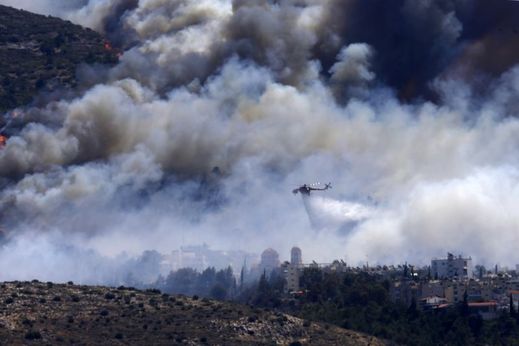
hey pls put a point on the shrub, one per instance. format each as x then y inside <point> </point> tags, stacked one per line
<point>57,299</point>
<point>9,301</point>
<point>32,335</point>
<point>252,319</point>
<point>195,297</point>
<point>109,295</point>
<point>104,313</point>
<point>27,322</point>
<point>13,39</point>
<point>119,336</point>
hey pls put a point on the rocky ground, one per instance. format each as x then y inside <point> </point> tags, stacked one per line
<point>55,314</point>
<point>41,54</point>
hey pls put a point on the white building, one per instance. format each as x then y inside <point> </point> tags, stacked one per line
<point>200,257</point>
<point>269,260</point>
<point>296,257</point>
<point>293,269</point>
<point>292,274</point>
<point>452,267</point>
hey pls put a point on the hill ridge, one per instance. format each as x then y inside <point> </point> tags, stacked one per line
<point>85,315</point>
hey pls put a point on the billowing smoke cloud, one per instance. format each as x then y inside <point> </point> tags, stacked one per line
<point>474,213</point>
<point>419,40</point>
<point>351,74</point>
<point>218,109</point>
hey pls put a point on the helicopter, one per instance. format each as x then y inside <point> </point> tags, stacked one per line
<point>306,189</point>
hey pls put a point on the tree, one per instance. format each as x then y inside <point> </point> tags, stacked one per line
<point>412,310</point>
<point>218,292</point>
<point>460,333</point>
<point>481,270</point>
<point>512,307</point>
<point>476,324</point>
<point>263,284</point>
<point>181,281</point>
<point>311,280</point>
<point>242,276</point>
<point>464,306</point>
<point>40,83</point>
<point>206,281</point>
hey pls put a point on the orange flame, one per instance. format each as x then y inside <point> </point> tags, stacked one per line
<point>3,141</point>
<point>107,45</point>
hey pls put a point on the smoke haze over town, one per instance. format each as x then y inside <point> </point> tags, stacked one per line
<point>217,109</point>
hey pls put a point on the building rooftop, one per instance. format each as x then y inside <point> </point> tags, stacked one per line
<point>483,304</point>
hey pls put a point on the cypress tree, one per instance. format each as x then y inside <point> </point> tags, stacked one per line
<point>512,307</point>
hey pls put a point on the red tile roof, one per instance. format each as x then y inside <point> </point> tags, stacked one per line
<point>481,304</point>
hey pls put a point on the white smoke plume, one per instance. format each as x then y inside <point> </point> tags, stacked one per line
<point>254,89</point>
<point>326,213</point>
